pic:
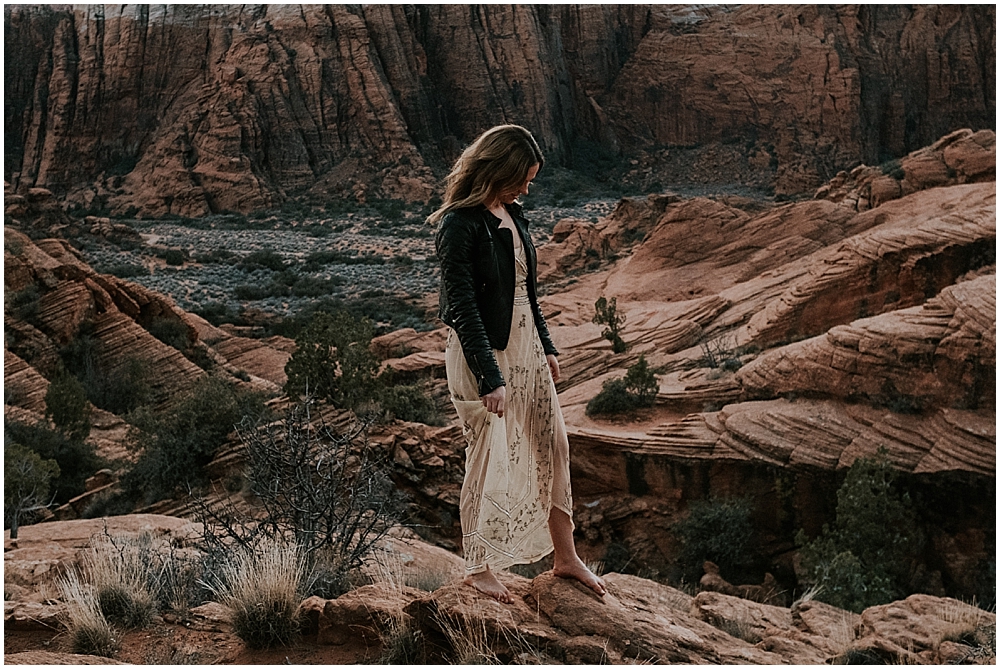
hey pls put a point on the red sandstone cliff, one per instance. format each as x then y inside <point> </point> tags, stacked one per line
<point>190,109</point>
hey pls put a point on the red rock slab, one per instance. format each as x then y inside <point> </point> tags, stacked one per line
<point>930,355</point>
<point>914,628</point>
<point>917,246</point>
<point>810,433</point>
<point>23,386</point>
<point>122,338</point>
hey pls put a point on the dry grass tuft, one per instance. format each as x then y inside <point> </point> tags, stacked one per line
<point>263,590</point>
<point>389,569</point>
<point>400,643</point>
<point>122,573</point>
<point>470,641</point>
<point>88,629</point>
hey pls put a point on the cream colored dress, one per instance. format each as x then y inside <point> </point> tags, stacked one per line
<point>516,467</point>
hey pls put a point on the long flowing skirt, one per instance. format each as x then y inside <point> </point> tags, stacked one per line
<point>516,467</point>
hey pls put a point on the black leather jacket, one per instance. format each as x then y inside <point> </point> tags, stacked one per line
<point>477,286</point>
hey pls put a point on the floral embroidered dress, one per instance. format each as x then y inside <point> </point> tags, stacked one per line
<point>516,467</point>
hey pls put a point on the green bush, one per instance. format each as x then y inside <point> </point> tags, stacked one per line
<point>171,332</point>
<point>262,260</point>
<point>388,311</point>
<point>411,403</point>
<point>175,446</point>
<point>175,257</point>
<point>24,303</point>
<point>635,391</point>
<point>26,480</point>
<point>67,406</point>
<point>77,459</point>
<point>332,361</point>
<point>719,530</point>
<point>607,315</point>
<point>124,270</point>
<point>117,389</point>
<point>868,556</point>
<point>218,313</point>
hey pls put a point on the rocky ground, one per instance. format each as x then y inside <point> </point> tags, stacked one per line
<point>551,620</point>
<point>403,263</point>
<point>859,320</point>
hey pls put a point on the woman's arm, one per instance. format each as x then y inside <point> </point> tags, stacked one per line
<point>456,250</point>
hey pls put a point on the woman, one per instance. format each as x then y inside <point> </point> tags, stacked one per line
<point>516,504</point>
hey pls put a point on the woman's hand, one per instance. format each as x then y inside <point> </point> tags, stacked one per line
<point>553,366</point>
<point>495,400</point>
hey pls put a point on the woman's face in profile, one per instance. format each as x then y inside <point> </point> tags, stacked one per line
<point>508,197</point>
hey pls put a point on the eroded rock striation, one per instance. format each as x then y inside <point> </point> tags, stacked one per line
<point>795,340</point>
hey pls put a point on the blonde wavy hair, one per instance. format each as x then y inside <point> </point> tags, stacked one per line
<point>497,161</point>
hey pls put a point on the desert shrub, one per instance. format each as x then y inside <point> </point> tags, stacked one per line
<point>67,406</point>
<point>636,390</point>
<point>174,257</point>
<point>262,260</point>
<point>88,630</point>
<point>325,489</point>
<point>24,303</point>
<point>26,479</point>
<point>332,360</point>
<point>608,316</point>
<point>77,460</point>
<point>719,530</point>
<point>721,353</point>
<point>121,572</point>
<point>219,255</point>
<point>868,556</point>
<point>894,169</point>
<point>123,389</point>
<point>389,312</point>
<point>124,270</point>
<point>469,640</point>
<point>318,259</point>
<point>263,589</point>
<point>618,558</point>
<point>409,402</point>
<point>175,446</point>
<point>170,331</point>
<point>401,644</point>
<point>218,313</point>
<point>288,283</point>
<point>118,388</point>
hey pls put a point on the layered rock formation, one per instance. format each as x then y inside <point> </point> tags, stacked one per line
<point>195,109</point>
<point>792,340</point>
<point>59,312</point>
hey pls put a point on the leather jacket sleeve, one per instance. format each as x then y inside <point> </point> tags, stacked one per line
<point>456,250</point>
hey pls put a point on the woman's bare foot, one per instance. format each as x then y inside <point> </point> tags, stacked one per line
<point>486,582</point>
<point>578,570</point>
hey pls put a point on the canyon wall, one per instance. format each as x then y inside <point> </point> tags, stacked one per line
<point>192,109</point>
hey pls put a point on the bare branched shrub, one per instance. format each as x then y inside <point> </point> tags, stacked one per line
<point>263,589</point>
<point>324,490</point>
<point>88,629</point>
<point>721,353</point>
